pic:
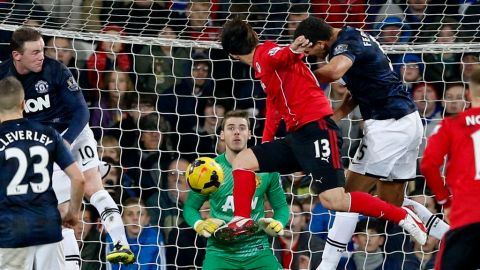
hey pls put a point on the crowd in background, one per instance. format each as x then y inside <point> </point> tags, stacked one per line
<point>155,108</point>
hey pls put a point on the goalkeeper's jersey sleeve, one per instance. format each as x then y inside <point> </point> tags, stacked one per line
<point>221,207</point>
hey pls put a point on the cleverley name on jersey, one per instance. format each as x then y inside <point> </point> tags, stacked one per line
<point>13,136</point>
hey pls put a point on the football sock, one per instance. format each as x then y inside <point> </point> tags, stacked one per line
<point>243,190</point>
<point>435,226</point>
<point>366,204</point>
<point>70,249</point>
<point>110,215</point>
<point>338,237</point>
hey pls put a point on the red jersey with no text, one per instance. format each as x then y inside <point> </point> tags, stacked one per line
<point>292,90</point>
<point>458,138</point>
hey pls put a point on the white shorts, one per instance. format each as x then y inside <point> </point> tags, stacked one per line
<point>84,151</point>
<point>389,148</point>
<point>48,256</point>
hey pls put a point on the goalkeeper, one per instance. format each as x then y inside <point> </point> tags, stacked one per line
<point>249,252</point>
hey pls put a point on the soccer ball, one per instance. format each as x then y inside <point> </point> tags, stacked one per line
<point>204,175</point>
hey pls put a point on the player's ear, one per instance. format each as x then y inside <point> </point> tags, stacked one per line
<point>22,105</point>
<point>16,55</point>
<point>249,134</point>
<point>222,135</point>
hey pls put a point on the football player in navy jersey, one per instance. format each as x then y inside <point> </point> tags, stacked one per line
<point>30,231</point>
<point>393,129</point>
<point>52,97</point>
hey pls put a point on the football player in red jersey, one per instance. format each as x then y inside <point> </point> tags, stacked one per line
<point>312,142</point>
<point>458,138</point>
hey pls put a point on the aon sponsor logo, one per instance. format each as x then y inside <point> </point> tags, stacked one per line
<point>37,104</point>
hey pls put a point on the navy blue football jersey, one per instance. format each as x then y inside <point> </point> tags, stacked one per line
<point>371,80</point>
<point>28,205</point>
<point>52,97</point>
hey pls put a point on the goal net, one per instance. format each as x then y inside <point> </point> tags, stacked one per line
<point>157,84</point>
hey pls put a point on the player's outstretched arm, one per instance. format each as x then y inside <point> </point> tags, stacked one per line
<point>334,69</point>
<point>347,106</point>
<point>77,191</point>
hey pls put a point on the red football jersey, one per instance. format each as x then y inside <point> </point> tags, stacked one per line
<point>458,138</point>
<point>292,90</point>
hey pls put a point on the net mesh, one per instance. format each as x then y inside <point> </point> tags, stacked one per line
<point>150,66</point>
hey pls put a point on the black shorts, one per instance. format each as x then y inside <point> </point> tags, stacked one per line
<point>460,249</point>
<point>313,149</point>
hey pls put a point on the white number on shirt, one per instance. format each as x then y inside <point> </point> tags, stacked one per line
<point>14,187</point>
<point>476,152</point>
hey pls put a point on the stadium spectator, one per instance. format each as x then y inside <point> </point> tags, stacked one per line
<point>369,239</point>
<point>392,31</point>
<point>296,14</point>
<point>422,18</point>
<point>154,150</point>
<point>203,140</point>
<point>182,103</point>
<point>108,56</point>
<point>139,18</point>
<point>443,67</point>
<point>468,63</point>
<point>185,248</point>
<point>126,131</point>
<point>106,112</point>
<point>298,243</point>
<point>145,241</point>
<point>161,67</point>
<point>339,13</point>
<point>108,146</point>
<point>89,239</point>
<point>197,23</point>
<point>61,48</point>
<point>454,99</point>
<point>411,72</point>
<point>422,257</point>
<point>426,99</point>
<point>172,196</point>
<point>117,183</point>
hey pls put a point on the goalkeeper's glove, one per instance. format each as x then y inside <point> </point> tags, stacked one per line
<point>271,226</point>
<point>206,227</point>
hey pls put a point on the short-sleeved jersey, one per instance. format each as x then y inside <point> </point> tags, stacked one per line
<point>28,205</point>
<point>52,96</point>
<point>221,207</point>
<point>458,138</point>
<point>371,80</point>
<point>293,93</point>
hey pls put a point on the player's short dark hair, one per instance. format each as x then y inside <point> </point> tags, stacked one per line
<point>11,93</point>
<point>22,35</point>
<point>235,114</point>
<point>314,29</point>
<point>238,37</point>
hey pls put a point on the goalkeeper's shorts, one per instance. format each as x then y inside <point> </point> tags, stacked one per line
<point>264,260</point>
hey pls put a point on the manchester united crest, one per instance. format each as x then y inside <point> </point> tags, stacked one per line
<point>258,180</point>
<point>41,87</point>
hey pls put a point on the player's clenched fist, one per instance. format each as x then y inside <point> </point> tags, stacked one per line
<point>206,227</point>
<point>271,226</point>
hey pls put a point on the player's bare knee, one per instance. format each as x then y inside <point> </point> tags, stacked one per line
<point>334,199</point>
<point>93,181</point>
<point>246,159</point>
